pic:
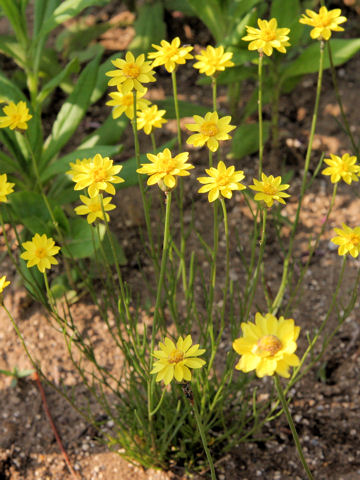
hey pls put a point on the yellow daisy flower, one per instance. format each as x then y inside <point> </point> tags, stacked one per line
<point>17,116</point>
<point>5,187</point>
<point>267,37</point>
<point>92,208</point>
<point>3,283</point>
<point>149,118</point>
<point>40,251</point>
<point>212,60</point>
<point>131,73</point>
<point>95,174</point>
<point>124,103</point>
<point>323,22</point>
<point>170,54</point>
<point>176,360</point>
<point>342,168</point>
<point>210,130</point>
<point>348,240</point>
<point>267,346</point>
<point>221,181</point>
<point>164,168</point>
<point>270,189</point>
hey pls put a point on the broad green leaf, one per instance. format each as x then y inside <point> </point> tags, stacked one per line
<point>42,10</point>
<point>71,67</point>
<point>186,109</point>
<point>285,13</point>
<point>179,5</point>
<point>8,164</point>
<point>34,281</point>
<point>12,48</point>
<point>149,27</point>
<point>246,139</point>
<point>109,133</point>
<point>81,239</point>
<point>29,205</point>
<point>102,80</point>
<point>17,21</point>
<point>119,252</point>
<point>246,14</point>
<point>210,13</point>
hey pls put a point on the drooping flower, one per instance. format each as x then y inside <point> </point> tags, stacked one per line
<point>131,73</point>
<point>5,187</point>
<point>149,118</point>
<point>124,103</point>
<point>164,168</point>
<point>3,283</point>
<point>170,54</point>
<point>95,174</point>
<point>213,60</point>
<point>176,360</point>
<point>348,240</point>
<point>210,130</point>
<point>221,181</point>
<point>267,37</point>
<point>323,22</point>
<point>16,116</point>
<point>270,189</point>
<point>40,251</point>
<point>92,207</point>
<point>344,168</point>
<point>267,346</point>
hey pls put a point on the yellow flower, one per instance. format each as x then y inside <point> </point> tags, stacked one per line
<point>95,174</point>
<point>3,283</point>
<point>267,37</point>
<point>221,181</point>
<point>176,360</point>
<point>348,240</point>
<point>40,252</point>
<point>323,22</point>
<point>131,73</point>
<point>150,117</point>
<point>5,187</point>
<point>164,168</point>
<point>212,60</point>
<point>17,116</point>
<point>269,189</point>
<point>170,54</point>
<point>92,208</point>
<point>268,346</point>
<point>342,168</point>
<point>211,129</point>
<point>124,103</point>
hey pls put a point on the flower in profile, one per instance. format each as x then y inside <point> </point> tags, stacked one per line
<point>92,208</point>
<point>131,73</point>
<point>3,283</point>
<point>164,168</point>
<point>267,37</point>
<point>267,346</point>
<point>5,187</point>
<point>348,240</point>
<point>16,116</point>
<point>212,60</point>
<point>170,54</point>
<point>323,22</point>
<point>149,118</point>
<point>124,103</point>
<point>40,251</point>
<point>221,181</point>
<point>270,189</point>
<point>344,168</point>
<point>176,360</point>
<point>95,174</point>
<point>210,130</point>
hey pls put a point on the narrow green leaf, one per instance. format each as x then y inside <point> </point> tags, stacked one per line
<point>246,139</point>
<point>109,133</point>
<point>149,27</point>
<point>71,67</point>
<point>11,47</point>
<point>186,109</point>
<point>102,80</point>
<point>210,12</point>
<point>42,10</point>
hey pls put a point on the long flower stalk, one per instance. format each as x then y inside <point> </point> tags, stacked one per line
<point>261,140</point>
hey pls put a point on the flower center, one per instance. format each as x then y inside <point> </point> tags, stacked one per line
<point>209,129</point>
<point>128,100</point>
<point>268,345</point>
<point>170,52</point>
<point>94,207</point>
<point>166,165</point>
<point>354,239</point>
<point>269,189</point>
<point>176,356</point>
<point>40,252</point>
<point>222,179</point>
<point>269,35</point>
<point>99,174</point>
<point>131,70</point>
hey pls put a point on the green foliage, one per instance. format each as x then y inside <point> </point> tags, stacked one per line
<point>149,26</point>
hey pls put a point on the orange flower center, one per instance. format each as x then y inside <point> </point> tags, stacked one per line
<point>176,356</point>
<point>269,189</point>
<point>166,165</point>
<point>131,70</point>
<point>40,252</point>
<point>94,207</point>
<point>269,35</point>
<point>354,239</point>
<point>222,179</point>
<point>209,129</point>
<point>268,345</point>
<point>127,100</point>
<point>170,52</point>
<point>99,174</point>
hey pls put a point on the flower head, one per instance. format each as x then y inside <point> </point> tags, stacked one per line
<point>124,103</point>
<point>348,240</point>
<point>342,168</point>
<point>268,346</point>
<point>164,168</point>
<point>3,283</point>
<point>221,181</point>
<point>92,207</point>
<point>17,116</point>
<point>95,174</point>
<point>150,117</point>
<point>267,37</point>
<point>212,60</point>
<point>5,187</point>
<point>170,54</point>
<point>131,73</point>
<point>40,252</point>
<point>323,22</point>
<point>270,189</point>
<point>176,360</point>
<point>210,130</point>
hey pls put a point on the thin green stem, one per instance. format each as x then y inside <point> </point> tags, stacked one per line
<point>204,442</point>
<point>176,105</point>
<point>153,142</point>
<point>214,93</point>
<point>261,141</point>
